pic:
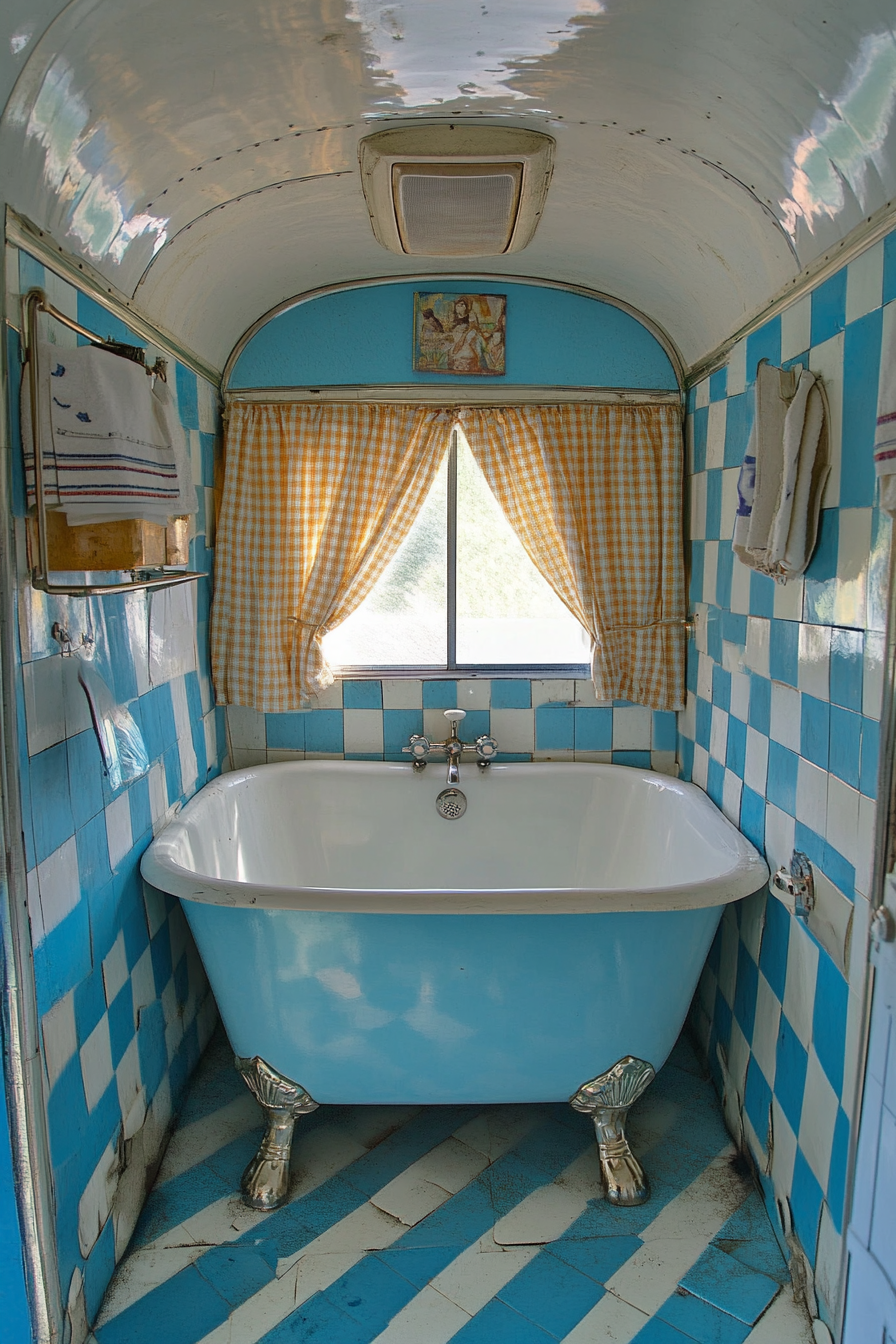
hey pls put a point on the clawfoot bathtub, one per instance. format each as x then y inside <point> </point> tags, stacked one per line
<point>543,946</point>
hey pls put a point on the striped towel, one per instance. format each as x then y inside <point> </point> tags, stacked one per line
<point>885,436</point>
<point>112,445</point>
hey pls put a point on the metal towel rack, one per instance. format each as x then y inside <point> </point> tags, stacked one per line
<point>35,303</point>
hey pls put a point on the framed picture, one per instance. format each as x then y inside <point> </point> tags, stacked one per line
<point>460,334</point>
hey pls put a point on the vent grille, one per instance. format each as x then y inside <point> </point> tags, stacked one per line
<point>456,210</point>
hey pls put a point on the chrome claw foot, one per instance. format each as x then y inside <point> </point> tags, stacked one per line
<point>266,1178</point>
<point>607,1099</point>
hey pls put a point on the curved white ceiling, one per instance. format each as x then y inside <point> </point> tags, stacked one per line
<point>203,156</point>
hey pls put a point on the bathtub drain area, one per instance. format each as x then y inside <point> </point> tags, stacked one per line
<point>476,1224</point>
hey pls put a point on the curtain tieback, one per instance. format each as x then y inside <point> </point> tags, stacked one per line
<point>307,625</point>
<point>647,625</point>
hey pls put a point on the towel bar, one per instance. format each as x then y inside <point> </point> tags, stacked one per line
<point>36,302</point>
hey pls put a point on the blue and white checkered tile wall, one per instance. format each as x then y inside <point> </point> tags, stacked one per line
<point>530,720</point>
<point>124,1004</point>
<point>782,729</point>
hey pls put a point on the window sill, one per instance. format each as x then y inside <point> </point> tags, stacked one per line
<point>565,672</point>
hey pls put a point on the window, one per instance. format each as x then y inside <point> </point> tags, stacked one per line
<point>461,593</point>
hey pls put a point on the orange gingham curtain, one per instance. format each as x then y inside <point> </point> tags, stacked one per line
<point>317,499</point>
<point>594,494</point>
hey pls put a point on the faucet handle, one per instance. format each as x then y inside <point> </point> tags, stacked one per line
<point>486,748</point>
<point>455,715</point>
<point>419,747</point>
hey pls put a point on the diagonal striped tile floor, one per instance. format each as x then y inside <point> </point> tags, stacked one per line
<point>478,1225</point>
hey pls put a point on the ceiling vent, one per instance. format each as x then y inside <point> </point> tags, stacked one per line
<point>473,191</point>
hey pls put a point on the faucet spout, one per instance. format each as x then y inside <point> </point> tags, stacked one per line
<point>453,770</point>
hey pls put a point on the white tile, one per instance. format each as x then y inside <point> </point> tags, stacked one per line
<point>864,863</point>
<point>728,954</point>
<point>864,282</point>
<point>756,653</point>
<point>547,1212</point>
<point>785,715</point>
<point>409,1198</point>
<point>715,434</point>
<point>246,728</point>
<point>331,698</point>
<point>858,944</point>
<point>827,361</point>
<point>710,570</point>
<point>852,1057</point>
<point>737,368</point>
<point>687,719</point>
<point>363,730</point>
<point>796,326</point>
<point>611,1321</point>
<point>158,796</point>
<point>731,790</point>
<point>44,709</point>
<point>477,1275</point>
<point>784,1323</point>
<point>788,600</point>
<point>740,696</point>
<point>752,922</point>
<point>853,551</point>
<point>701,766</point>
<point>59,884</point>
<point>60,1036</point>
<point>831,918</point>
<point>75,703</point>
<point>701,394</point>
<point>548,692</point>
<point>718,734</point>
<point>156,909</point>
<point>815,661</point>
<point>812,796</point>
<point>663,762</point>
<point>817,1120</point>
<point>118,829</point>
<point>738,1059</point>
<point>495,1132</point>
<point>244,759</point>
<point>779,831</point>
<point>783,1152</point>
<point>740,588</point>
<point>146,1269</point>
<point>474,694</point>
<point>96,1062</point>
<point>765,1032</point>
<point>277,755</point>
<point>513,729</point>
<point>207,398</point>
<point>756,762</point>
<point>429,1316</point>
<point>210,725</point>
<point>697,521</point>
<point>799,988</point>
<point>631,729</point>
<point>873,673</point>
<point>843,818</point>
<point>115,969</point>
<point>828,1264</point>
<point>189,768</point>
<point>701,618</point>
<point>96,1201</point>
<point>194,1142</point>
<point>402,693</point>
<point>705,666</point>
<point>732,657</point>
<point>729,502</point>
<point>584,696</point>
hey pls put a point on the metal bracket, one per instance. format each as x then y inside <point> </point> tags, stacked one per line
<point>798,885</point>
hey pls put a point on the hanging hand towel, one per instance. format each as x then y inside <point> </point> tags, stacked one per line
<point>108,448</point>
<point>885,436</point>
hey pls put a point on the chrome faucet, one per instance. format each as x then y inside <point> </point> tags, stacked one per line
<point>419,747</point>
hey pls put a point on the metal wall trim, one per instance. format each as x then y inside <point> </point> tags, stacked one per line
<point>20,232</point>
<point>457,395</point>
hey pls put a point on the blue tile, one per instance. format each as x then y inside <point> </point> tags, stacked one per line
<point>419,1264</point>
<point>821,589</point>
<point>714,634</point>
<point>593,729</point>
<point>763,344</point>
<point>810,843</point>
<point>92,844</point>
<point>847,667</point>
<point>870,757</point>
<point>861,371</point>
<point>829,1020</point>
<point>732,1287</point>
<point>784,652</point>
<point>663,731</point>
<point>829,307</point>
<point>760,713</point>
<point>121,1023</point>
<point>99,1269</point>
<point>762,595</point>
<point>362,694</point>
<point>657,1331</point>
<point>499,1324</point>
<point>323,731</point>
<point>697,557</point>
<point>837,1169</point>
<point>511,694</point>
<point>187,397</point>
<point>318,1321</point>
<point>700,1321</point>
<point>713,504</point>
<point>839,870</point>
<point>51,808</point>
<point>598,1257</point>
<point>748,1236</point>
<point>207,448</point>
<point>62,960</point>
<point>187,1303</point>
<point>736,755</point>
<point>889,267</point>
<point>734,627</point>
<point>552,1294</point>
<point>99,319</point>
<point>286,732</point>
<point>701,425</point>
<point>845,745</point>
<point>718,384</point>
<point>140,809</point>
<point>371,1293</point>
<point>31,273</point>
<point>85,776</point>
<point>398,726</point>
<point>686,758</point>
<point>815,730</point>
<point>738,423</point>
<point>724,574</point>
<point>715,783</point>
<point>157,718</point>
<point>66,1113</point>
<point>153,1050</point>
<point>721,687</point>
<point>752,817</point>
<point>790,1072</point>
<point>783,766</point>
<point>554,728</point>
<point>389,1158</point>
<point>757,1099</point>
<point>805,1201</point>
<point>690,400</point>
<point>746,991</point>
<point>773,949</point>
<point>474,725</point>
<point>637,760</point>
<point>440,695</point>
<point>704,723</point>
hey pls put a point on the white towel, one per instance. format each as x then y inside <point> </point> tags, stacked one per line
<point>112,447</point>
<point>783,474</point>
<point>885,436</point>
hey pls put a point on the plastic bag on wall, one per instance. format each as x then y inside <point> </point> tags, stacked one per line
<point>120,739</point>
